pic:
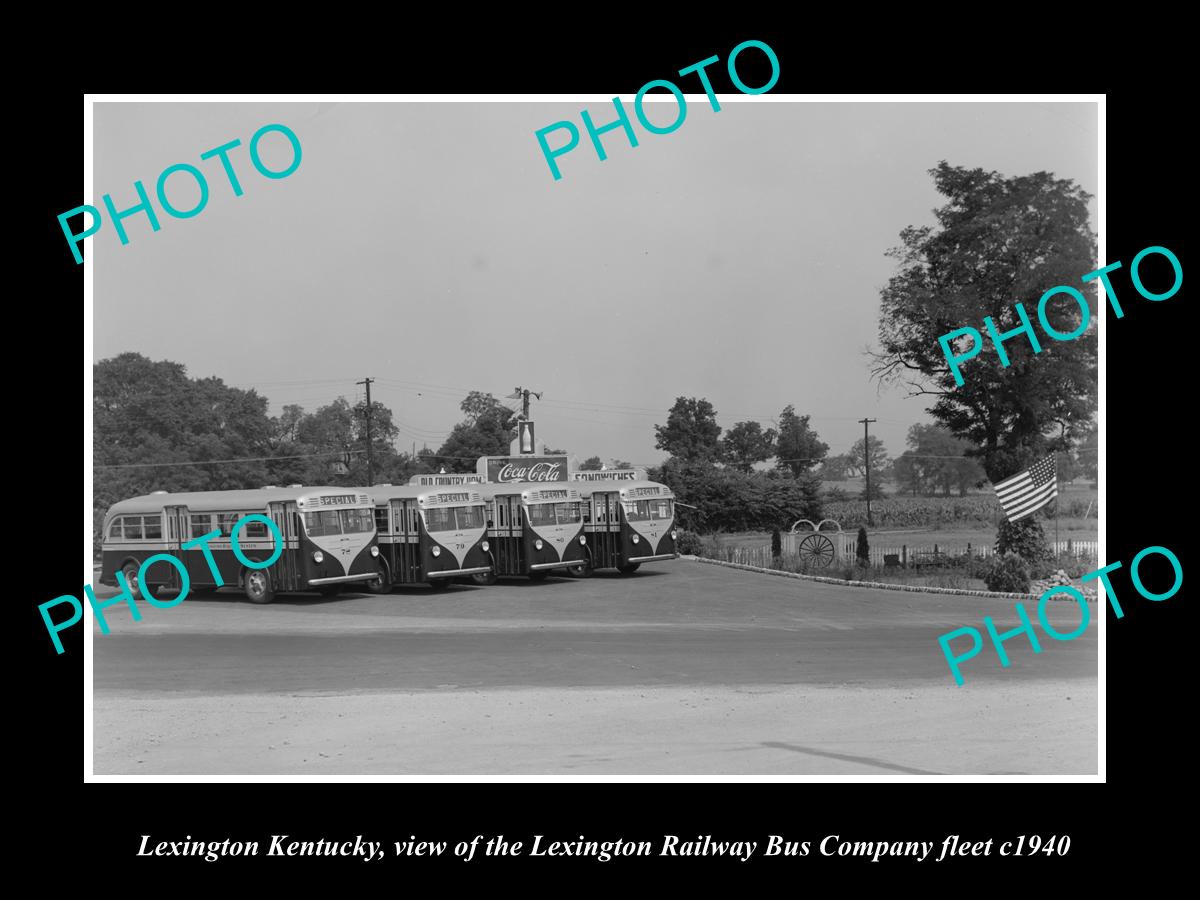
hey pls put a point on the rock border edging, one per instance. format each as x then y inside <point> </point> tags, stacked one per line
<point>880,585</point>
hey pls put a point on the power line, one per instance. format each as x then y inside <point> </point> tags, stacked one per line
<point>209,462</point>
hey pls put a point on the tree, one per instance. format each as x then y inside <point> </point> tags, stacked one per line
<point>621,464</point>
<point>997,241</point>
<point>152,412</point>
<point>691,432</point>
<point>908,472</point>
<point>798,447</point>
<point>878,461</point>
<point>591,464</point>
<point>745,444</point>
<point>941,460</point>
<point>835,468</point>
<point>862,547</point>
<point>487,430</point>
<point>725,499</point>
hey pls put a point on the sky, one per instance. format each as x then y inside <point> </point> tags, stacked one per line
<point>427,246</point>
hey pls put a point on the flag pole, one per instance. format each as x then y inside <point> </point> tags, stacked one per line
<point>1057,496</point>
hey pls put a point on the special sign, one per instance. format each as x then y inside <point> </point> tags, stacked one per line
<point>504,469</point>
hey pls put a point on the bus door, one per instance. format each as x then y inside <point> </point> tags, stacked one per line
<point>406,549</point>
<point>605,538</point>
<point>507,531</point>
<point>286,574</point>
<point>177,534</point>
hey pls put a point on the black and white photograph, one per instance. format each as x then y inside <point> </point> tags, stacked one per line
<point>682,436</point>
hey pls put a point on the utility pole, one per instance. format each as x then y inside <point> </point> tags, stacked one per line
<point>524,393</point>
<point>867,464</point>
<point>370,469</point>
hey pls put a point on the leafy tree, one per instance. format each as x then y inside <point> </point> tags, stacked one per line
<point>745,444</point>
<point>835,468</point>
<point>908,472</point>
<point>622,464</point>
<point>878,460</point>
<point>941,461</point>
<point>591,464</point>
<point>152,412</point>
<point>998,240</point>
<point>725,499</point>
<point>487,430</point>
<point>798,447</point>
<point>691,432</point>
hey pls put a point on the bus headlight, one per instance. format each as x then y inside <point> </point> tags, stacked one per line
<point>636,538</point>
<point>486,547</point>
<point>538,545</point>
<point>582,539</point>
<point>318,556</point>
<point>436,551</point>
<point>374,551</point>
<point>673,535</point>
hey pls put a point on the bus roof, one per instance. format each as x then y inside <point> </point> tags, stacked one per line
<point>232,501</point>
<point>527,487</point>
<point>587,488</point>
<point>382,493</point>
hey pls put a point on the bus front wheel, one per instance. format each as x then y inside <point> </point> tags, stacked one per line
<point>258,587</point>
<point>382,584</point>
<point>582,570</point>
<point>629,568</point>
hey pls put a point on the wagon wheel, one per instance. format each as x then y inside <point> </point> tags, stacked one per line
<point>816,550</point>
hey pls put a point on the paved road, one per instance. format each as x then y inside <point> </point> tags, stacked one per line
<point>612,655</point>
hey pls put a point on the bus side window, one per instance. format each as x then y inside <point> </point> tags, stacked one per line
<point>114,528</point>
<point>225,522</point>
<point>253,529</point>
<point>201,524</point>
<point>381,519</point>
<point>152,527</point>
<point>133,528</point>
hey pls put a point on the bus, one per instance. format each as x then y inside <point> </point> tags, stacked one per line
<point>626,523</point>
<point>328,536</point>
<point>430,535</point>
<point>534,528</point>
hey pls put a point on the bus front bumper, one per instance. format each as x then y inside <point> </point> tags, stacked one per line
<point>343,579</point>
<point>661,556</point>
<point>454,573</point>
<point>556,565</point>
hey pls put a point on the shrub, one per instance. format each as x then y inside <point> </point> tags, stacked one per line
<point>1008,573</point>
<point>863,549</point>
<point>1025,538</point>
<point>689,542</point>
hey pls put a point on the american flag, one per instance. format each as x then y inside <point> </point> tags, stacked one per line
<point>1028,491</point>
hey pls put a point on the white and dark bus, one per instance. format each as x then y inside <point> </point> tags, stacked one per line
<point>626,523</point>
<point>328,540</point>
<point>533,528</point>
<point>430,535</point>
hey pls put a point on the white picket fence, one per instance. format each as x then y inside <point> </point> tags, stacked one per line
<point>846,545</point>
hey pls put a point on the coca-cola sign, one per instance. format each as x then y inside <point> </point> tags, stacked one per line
<point>504,469</point>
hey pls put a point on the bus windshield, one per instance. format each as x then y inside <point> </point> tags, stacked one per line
<point>450,518</point>
<point>554,514</point>
<point>647,510</point>
<point>338,521</point>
